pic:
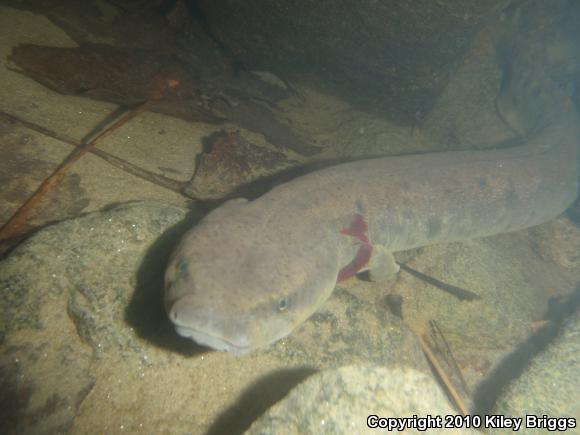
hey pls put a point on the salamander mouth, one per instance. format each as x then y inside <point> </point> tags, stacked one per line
<point>214,341</point>
<point>203,328</point>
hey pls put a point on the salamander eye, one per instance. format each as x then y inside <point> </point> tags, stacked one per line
<point>282,304</point>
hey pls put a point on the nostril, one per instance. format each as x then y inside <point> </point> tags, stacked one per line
<point>182,310</point>
<point>172,311</point>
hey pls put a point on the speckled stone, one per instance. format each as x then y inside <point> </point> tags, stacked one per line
<point>339,402</point>
<point>551,383</point>
<point>67,298</point>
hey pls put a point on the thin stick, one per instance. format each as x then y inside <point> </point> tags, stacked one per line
<point>14,225</point>
<point>444,378</point>
<point>447,355</point>
<point>160,180</point>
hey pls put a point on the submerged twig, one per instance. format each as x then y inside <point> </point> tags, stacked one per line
<point>448,385</point>
<point>14,225</point>
<point>160,180</point>
<point>445,350</point>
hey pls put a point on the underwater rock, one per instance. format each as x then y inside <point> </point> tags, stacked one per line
<point>339,401</point>
<point>90,263</point>
<point>230,162</point>
<point>369,52</point>
<point>559,241</point>
<point>550,385</point>
<point>65,287</point>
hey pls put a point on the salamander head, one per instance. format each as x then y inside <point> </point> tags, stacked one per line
<point>235,289</point>
<point>231,333</point>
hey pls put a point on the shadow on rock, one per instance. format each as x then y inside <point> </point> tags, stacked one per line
<point>145,312</point>
<point>514,364</point>
<point>257,399</point>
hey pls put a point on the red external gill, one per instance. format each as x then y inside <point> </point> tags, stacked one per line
<point>358,229</point>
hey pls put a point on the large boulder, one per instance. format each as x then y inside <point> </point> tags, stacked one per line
<point>388,54</point>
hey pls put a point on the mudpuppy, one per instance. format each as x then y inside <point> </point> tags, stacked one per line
<point>252,271</point>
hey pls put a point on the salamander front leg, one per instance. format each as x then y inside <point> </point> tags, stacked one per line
<point>382,266</point>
